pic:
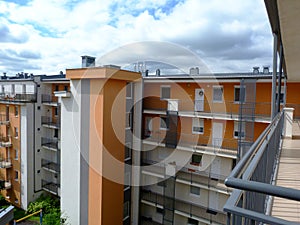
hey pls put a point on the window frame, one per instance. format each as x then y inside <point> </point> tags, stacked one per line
<point>193,192</point>
<point>234,97</point>
<point>16,177</point>
<point>196,163</point>
<point>236,129</point>
<point>222,96</point>
<point>161,91</point>
<point>200,123</point>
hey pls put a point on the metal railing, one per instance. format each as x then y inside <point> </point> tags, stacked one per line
<point>216,145</point>
<point>51,166</point>
<point>5,162</point>
<point>50,121</point>
<point>50,187</point>
<point>49,98</point>
<point>50,143</point>
<point>229,108</point>
<point>252,179</point>
<point>10,97</point>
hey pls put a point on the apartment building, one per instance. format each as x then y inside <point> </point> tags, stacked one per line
<point>98,119</point>
<point>30,134</point>
<point>195,129</point>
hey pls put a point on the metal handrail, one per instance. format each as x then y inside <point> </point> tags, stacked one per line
<point>240,178</point>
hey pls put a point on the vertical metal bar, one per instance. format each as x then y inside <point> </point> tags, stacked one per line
<point>284,99</point>
<point>281,56</point>
<point>274,78</point>
<point>228,218</point>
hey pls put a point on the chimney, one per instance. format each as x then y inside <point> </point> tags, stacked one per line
<point>87,61</point>
<point>158,72</point>
<point>266,69</point>
<point>256,70</point>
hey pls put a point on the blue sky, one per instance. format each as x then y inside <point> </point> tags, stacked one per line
<point>48,36</point>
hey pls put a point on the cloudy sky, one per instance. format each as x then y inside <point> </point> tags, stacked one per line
<point>48,36</point>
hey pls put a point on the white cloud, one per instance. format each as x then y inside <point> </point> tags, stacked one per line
<point>60,31</point>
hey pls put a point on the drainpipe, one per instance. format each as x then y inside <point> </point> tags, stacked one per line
<point>274,78</point>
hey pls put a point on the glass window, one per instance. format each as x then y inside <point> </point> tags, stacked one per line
<point>66,88</point>
<point>56,88</point>
<point>129,90</point>
<point>238,95</point>
<point>218,94</point>
<point>126,209</point>
<point>16,110</point>
<point>236,129</point>
<point>165,92</point>
<point>164,123</point>
<point>192,221</point>
<point>16,154</point>
<point>196,159</point>
<point>16,175</point>
<point>194,190</point>
<point>16,132</point>
<point>198,126</point>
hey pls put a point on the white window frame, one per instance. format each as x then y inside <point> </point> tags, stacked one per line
<point>198,122</point>
<point>129,95</point>
<point>195,188</point>
<point>236,129</point>
<point>165,86</point>
<point>218,87</point>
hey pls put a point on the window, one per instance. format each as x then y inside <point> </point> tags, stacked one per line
<point>127,151</point>
<point>236,129</point>
<point>239,95</point>
<point>126,209</point>
<point>281,94</point>
<point>192,221</point>
<point>148,127</point>
<point>16,132</point>
<point>165,92</point>
<point>66,88</point>
<point>164,123</point>
<point>56,88</point>
<point>56,133</point>
<point>129,90</point>
<point>16,110</point>
<point>198,126</point>
<point>218,94</point>
<point>194,190</point>
<point>159,210</point>
<point>16,175</point>
<point>55,111</point>
<point>128,122</point>
<point>127,180</point>
<point>16,154</point>
<point>196,159</point>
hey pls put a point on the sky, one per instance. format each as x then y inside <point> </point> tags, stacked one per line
<point>49,36</point>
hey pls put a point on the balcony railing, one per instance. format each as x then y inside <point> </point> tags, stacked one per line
<point>9,97</point>
<point>51,122</point>
<point>230,109</point>
<point>252,179</point>
<point>5,184</point>
<point>5,163</point>
<point>196,141</point>
<point>50,99</point>
<point>5,141</point>
<point>51,187</point>
<point>4,119</point>
<point>50,166</point>
<point>50,143</point>
<point>186,208</point>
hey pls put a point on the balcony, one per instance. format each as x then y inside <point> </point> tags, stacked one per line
<point>267,173</point>
<point>204,144</point>
<point>184,208</point>
<point>4,119</point>
<point>50,144</point>
<point>5,163</point>
<point>5,142</point>
<point>50,166</point>
<point>5,184</point>
<point>50,100</point>
<point>258,111</point>
<point>20,98</point>
<point>51,122</point>
<point>51,187</point>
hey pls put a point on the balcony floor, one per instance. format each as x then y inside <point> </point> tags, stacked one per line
<point>288,176</point>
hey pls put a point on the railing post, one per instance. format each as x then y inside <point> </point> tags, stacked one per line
<point>288,122</point>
